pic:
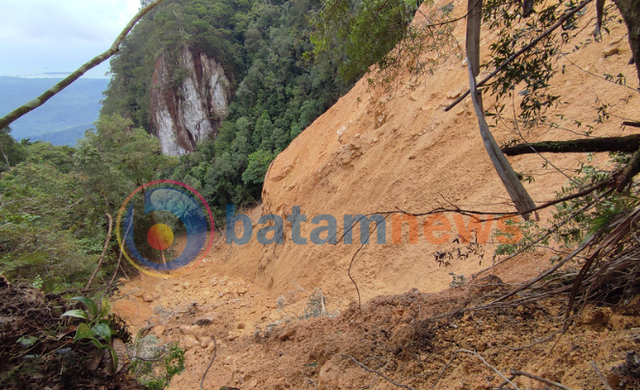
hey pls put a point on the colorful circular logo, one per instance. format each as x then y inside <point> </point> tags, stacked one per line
<point>172,235</point>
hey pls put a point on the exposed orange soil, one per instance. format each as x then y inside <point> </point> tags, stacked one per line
<point>375,152</point>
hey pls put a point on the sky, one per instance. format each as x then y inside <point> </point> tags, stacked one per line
<point>49,36</point>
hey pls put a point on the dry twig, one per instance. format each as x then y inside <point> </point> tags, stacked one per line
<point>215,352</point>
<point>606,385</point>
<point>483,361</point>
<point>377,373</point>
<point>535,377</point>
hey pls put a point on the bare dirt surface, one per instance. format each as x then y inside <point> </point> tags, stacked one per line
<point>286,316</point>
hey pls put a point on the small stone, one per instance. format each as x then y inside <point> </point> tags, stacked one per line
<point>138,293</point>
<point>241,325</point>
<point>615,41</point>
<point>374,140</point>
<point>189,342</point>
<point>122,280</point>
<point>611,50</point>
<point>147,297</point>
<point>203,321</point>
<point>189,329</point>
<point>206,342</point>
<point>207,319</point>
<point>159,330</point>
<point>454,93</point>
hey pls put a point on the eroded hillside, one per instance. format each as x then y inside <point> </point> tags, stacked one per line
<point>379,151</point>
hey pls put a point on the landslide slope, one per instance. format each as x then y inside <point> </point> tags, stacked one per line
<point>379,150</point>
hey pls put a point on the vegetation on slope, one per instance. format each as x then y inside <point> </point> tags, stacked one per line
<point>277,90</point>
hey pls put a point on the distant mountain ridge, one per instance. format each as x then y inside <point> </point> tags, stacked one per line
<point>63,119</point>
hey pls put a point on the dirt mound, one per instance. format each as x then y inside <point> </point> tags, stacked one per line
<point>263,346</point>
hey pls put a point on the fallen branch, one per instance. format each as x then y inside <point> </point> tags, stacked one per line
<point>537,378</point>
<point>628,144</point>
<point>215,352</point>
<point>377,373</point>
<point>586,243</point>
<point>48,94</point>
<point>630,123</point>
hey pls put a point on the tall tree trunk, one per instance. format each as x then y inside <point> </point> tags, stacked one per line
<point>516,190</point>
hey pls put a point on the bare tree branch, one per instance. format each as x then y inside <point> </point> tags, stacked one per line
<point>626,144</point>
<point>4,154</point>
<point>104,252</point>
<point>517,54</point>
<point>115,47</point>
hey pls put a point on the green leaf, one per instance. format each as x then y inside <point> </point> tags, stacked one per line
<point>27,341</point>
<point>114,357</point>
<point>97,343</point>
<point>103,331</point>
<point>76,313</point>
<point>84,332</point>
<point>91,305</point>
<point>106,307</point>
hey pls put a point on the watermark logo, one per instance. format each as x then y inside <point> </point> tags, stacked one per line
<point>150,220</point>
<point>437,229</point>
<point>167,228</point>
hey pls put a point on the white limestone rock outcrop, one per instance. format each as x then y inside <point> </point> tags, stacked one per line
<point>183,115</point>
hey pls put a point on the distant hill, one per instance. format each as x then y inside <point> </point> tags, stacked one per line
<point>63,119</point>
<point>64,137</point>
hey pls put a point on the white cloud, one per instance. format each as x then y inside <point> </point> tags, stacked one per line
<point>63,33</point>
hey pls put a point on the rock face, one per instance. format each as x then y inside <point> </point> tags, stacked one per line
<point>182,116</point>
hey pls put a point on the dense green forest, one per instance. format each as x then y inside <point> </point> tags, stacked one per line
<point>277,89</point>
<point>53,200</point>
